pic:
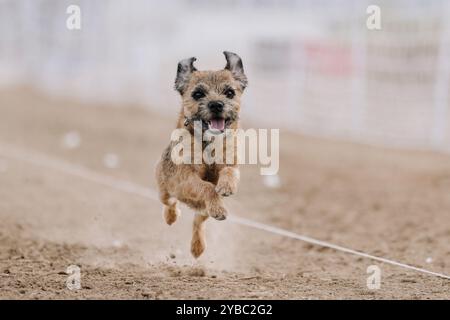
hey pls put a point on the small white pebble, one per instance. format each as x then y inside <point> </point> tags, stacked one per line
<point>272,181</point>
<point>429,260</point>
<point>111,160</point>
<point>117,243</point>
<point>71,140</point>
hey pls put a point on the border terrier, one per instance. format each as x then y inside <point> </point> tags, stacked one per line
<point>212,98</point>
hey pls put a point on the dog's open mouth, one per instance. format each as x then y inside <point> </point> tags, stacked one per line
<point>218,124</point>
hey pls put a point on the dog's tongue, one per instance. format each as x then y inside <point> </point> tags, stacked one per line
<point>218,124</point>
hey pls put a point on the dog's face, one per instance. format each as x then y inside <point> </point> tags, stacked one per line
<point>212,97</point>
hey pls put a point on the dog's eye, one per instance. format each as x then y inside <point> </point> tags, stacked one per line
<point>198,94</point>
<point>229,93</point>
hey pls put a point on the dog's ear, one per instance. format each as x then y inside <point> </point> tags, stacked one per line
<point>234,64</point>
<point>184,71</point>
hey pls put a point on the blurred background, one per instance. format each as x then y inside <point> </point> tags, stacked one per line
<point>313,66</point>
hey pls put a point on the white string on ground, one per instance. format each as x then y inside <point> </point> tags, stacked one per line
<point>289,234</point>
<point>45,161</point>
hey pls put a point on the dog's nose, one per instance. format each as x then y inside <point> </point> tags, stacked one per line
<point>215,106</point>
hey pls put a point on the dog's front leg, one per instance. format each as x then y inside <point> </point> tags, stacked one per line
<point>228,181</point>
<point>195,189</point>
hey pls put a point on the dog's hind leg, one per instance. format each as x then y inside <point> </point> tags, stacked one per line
<point>170,209</point>
<point>198,243</point>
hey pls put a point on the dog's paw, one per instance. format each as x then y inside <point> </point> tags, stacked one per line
<point>198,246</point>
<point>171,214</point>
<point>225,188</point>
<point>217,212</point>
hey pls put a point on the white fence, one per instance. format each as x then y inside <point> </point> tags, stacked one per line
<point>313,66</point>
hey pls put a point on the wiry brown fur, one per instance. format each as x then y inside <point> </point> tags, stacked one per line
<point>201,186</point>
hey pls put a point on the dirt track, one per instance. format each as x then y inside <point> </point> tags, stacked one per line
<point>389,203</point>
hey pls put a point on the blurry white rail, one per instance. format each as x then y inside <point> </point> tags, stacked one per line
<point>45,161</point>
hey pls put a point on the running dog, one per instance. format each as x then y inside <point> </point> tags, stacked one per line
<point>211,99</point>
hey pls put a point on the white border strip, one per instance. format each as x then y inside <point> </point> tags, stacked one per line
<point>131,188</point>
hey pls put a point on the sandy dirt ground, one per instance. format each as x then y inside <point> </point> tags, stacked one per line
<point>394,204</point>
